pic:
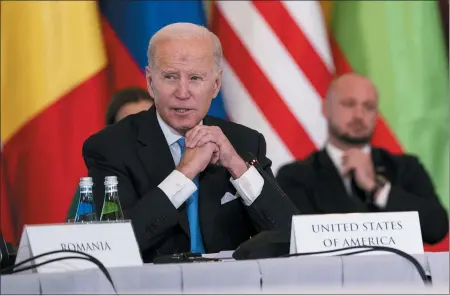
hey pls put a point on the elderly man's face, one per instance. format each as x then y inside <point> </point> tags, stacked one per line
<point>183,81</point>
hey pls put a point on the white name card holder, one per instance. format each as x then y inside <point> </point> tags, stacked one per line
<point>112,243</point>
<point>398,230</point>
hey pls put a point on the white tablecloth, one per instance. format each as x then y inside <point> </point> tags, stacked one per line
<point>318,274</point>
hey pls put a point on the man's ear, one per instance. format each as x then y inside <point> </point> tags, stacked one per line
<point>324,108</point>
<point>148,78</point>
<point>217,84</point>
<point>327,108</point>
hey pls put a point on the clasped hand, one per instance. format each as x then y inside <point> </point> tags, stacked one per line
<point>208,145</point>
<point>360,163</point>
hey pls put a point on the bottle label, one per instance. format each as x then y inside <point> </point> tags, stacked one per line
<point>110,189</point>
<point>111,211</point>
<point>85,190</point>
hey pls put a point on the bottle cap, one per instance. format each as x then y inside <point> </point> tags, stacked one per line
<point>111,180</point>
<point>86,181</point>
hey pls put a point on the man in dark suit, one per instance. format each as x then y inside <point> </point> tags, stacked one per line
<point>182,179</point>
<point>349,175</point>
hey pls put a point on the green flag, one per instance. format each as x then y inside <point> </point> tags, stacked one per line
<point>400,46</point>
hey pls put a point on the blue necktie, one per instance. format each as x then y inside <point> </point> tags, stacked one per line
<point>192,212</point>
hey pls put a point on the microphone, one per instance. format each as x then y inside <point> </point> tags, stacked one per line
<point>254,162</point>
<point>182,258</point>
<point>6,253</point>
<point>267,243</point>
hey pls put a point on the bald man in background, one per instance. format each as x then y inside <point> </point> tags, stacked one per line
<point>349,175</point>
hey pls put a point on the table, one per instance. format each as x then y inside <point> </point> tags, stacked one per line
<point>313,274</point>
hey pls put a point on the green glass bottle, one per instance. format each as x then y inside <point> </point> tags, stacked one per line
<point>111,211</point>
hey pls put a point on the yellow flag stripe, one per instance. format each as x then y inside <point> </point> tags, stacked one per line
<point>47,49</point>
<point>207,5</point>
<point>326,6</point>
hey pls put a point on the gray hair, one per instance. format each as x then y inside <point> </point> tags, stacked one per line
<point>185,31</point>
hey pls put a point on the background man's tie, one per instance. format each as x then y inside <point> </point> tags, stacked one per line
<point>356,191</point>
<point>192,212</point>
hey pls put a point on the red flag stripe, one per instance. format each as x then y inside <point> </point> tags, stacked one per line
<point>123,70</point>
<point>6,219</point>
<point>296,43</point>
<point>304,54</point>
<point>261,89</point>
<point>37,166</point>
<point>384,138</point>
<point>340,62</point>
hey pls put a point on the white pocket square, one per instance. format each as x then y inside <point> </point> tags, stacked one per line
<point>227,198</point>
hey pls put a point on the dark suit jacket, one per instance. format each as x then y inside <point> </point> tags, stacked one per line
<point>315,186</point>
<point>135,150</point>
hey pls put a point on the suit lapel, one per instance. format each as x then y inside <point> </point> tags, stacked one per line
<point>332,196</point>
<point>153,149</point>
<point>156,157</point>
<point>381,164</point>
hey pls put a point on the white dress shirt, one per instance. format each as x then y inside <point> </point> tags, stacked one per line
<point>336,157</point>
<point>179,188</point>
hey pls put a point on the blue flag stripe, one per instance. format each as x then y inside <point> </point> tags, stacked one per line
<point>136,21</point>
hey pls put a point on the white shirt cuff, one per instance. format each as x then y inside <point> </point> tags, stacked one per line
<point>249,185</point>
<point>177,187</point>
<point>382,198</point>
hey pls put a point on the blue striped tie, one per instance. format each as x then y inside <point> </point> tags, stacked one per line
<point>192,212</point>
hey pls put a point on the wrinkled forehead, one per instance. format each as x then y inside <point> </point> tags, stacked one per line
<point>193,52</point>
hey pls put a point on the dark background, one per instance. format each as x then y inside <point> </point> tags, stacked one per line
<point>443,5</point>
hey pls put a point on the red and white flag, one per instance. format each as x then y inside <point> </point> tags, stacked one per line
<point>277,69</point>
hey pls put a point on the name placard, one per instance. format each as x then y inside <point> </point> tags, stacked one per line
<point>398,230</point>
<point>112,243</point>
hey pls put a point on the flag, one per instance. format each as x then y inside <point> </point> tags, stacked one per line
<point>53,96</point>
<point>400,46</point>
<point>6,222</point>
<point>280,59</point>
<point>129,25</point>
<point>278,66</point>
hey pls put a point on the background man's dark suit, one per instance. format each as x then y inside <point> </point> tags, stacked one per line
<point>136,151</point>
<point>314,185</point>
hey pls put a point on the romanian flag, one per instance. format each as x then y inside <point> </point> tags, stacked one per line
<point>54,92</point>
<point>61,61</point>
